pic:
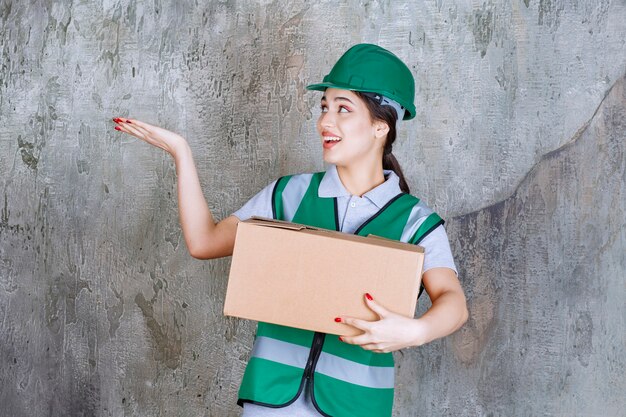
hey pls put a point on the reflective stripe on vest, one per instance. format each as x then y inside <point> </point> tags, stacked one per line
<point>345,380</point>
<point>419,213</point>
<point>296,188</point>
<point>328,364</point>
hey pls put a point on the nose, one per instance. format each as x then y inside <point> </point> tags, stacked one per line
<point>327,119</point>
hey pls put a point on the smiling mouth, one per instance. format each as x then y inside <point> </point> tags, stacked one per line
<point>330,139</point>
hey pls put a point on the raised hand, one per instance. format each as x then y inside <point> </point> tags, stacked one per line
<point>169,141</point>
<point>205,239</point>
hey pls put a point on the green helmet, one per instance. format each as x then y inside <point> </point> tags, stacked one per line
<point>371,69</point>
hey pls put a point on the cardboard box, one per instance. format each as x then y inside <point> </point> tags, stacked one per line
<point>304,277</point>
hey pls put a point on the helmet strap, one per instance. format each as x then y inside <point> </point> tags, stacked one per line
<point>385,101</point>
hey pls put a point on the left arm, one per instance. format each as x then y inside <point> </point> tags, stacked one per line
<point>393,331</point>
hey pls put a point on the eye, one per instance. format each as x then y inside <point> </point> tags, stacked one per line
<point>343,109</point>
<point>323,108</point>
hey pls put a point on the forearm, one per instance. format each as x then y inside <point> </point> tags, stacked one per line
<point>196,219</point>
<point>446,315</point>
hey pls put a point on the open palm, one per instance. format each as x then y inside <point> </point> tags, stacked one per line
<point>154,135</point>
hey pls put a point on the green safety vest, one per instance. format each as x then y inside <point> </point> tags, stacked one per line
<point>345,380</point>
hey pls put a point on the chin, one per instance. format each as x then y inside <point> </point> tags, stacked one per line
<point>329,159</point>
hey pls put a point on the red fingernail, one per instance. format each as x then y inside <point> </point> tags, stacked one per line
<point>117,128</point>
<point>128,121</point>
<point>338,319</point>
<point>368,296</point>
<point>340,339</point>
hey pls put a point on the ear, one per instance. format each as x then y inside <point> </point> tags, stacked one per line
<point>380,129</point>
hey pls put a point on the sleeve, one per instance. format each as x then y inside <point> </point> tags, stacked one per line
<point>437,251</point>
<point>259,205</point>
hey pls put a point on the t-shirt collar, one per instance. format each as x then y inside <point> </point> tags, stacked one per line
<point>331,186</point>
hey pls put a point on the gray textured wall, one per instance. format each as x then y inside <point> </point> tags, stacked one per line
<point>518,143</point>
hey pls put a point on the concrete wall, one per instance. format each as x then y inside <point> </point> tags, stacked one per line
<point>518,143</point>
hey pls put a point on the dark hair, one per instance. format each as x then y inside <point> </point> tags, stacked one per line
<point>388,115</point>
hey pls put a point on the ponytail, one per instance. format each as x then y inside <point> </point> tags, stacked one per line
<point>390,162</point>
<point>388,115</point>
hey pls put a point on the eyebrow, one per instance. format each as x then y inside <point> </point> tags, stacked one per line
<point>338,98</point>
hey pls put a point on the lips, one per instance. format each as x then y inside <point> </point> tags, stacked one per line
<point>330,139</point>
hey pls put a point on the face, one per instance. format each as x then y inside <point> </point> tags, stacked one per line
<point>348,133</point>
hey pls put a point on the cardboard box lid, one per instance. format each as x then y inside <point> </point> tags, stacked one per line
<point>380,241</point>
<point>304,277</point>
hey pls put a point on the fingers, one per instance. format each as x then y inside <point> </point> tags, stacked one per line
<point>128,126</point>
<point>370,338</point>
<point>374,347</point>
<point>120,121</point>
<point>364,325</point>
<point>135,128</point>
<point>358,323</point>
<point>146,127</point>
<point>121,125</point>
<point>130,121</point>
<point>362,339</point>
<point>366,341</point>
<point>137,131</point>
<point>154,135</point>
<point>375,307</point>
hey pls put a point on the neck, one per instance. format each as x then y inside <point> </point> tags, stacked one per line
<point>358,180</point>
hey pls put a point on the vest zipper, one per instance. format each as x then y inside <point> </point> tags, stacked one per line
<point>314,355</point>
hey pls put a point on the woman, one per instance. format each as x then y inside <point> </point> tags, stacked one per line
<point>296,372</point>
